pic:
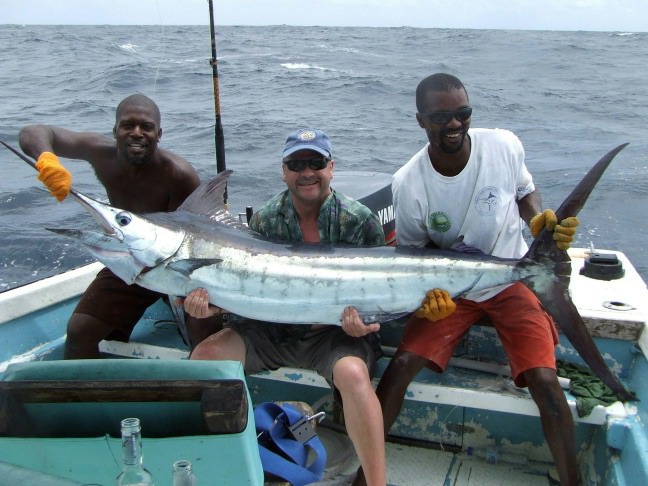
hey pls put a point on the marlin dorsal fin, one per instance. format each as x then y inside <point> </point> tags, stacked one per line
<point>208,199</point>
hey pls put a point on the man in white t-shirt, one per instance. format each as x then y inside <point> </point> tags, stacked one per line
<point>473,183</point>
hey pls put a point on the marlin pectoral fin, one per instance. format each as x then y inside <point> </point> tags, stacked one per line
<point>189,265</point>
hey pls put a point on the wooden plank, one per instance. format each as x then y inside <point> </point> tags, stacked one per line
<point>225,410</point>
<point>45,391</point>
<point>223,403</point>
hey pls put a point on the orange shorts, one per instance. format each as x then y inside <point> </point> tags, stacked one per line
<point>526,331</point>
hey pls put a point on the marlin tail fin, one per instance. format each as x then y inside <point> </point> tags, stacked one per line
<point>553,292</point>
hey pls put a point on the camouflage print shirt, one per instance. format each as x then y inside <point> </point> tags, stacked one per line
<point>341,220</point>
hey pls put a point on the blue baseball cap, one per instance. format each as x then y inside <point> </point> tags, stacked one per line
<point>308,139</point>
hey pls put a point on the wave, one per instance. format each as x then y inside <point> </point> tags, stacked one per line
<point>301,65</point>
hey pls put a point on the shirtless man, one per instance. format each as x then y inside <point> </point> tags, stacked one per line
<point>138,176</point>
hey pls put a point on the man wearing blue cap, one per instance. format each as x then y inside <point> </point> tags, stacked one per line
<point>309,210</point>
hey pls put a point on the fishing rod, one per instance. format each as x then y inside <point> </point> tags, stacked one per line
<point>219,139</point>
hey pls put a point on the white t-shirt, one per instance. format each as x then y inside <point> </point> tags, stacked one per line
<point>479,203</point>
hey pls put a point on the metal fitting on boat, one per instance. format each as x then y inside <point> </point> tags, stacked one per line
<point>603,266</point>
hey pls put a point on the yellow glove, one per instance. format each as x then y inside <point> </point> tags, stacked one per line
<point>563,233</point>
<point>56,177</point>
<point>436,305</point>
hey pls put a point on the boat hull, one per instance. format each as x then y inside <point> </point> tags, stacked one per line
<point>472,415</point>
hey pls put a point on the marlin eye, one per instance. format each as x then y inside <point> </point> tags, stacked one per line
<point>123,218</point>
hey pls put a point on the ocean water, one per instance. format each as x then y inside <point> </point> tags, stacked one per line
<point>569,96</point>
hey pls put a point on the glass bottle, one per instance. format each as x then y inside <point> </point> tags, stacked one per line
<point>133,471</point>
<point>183,473</point>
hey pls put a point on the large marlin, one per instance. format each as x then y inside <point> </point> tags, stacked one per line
<point>202,245</point>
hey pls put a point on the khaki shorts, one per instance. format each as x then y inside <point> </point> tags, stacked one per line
<point>318,348</point>
<point>527,332</point>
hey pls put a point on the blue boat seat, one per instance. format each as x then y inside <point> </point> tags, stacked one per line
<point>194,410</point>
<point>88,398</point>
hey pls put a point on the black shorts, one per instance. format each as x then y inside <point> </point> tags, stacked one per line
<point>114,302</point>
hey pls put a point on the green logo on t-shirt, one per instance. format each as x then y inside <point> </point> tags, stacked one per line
<point>439,222</point>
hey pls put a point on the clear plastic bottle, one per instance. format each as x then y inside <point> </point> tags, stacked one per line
<point>133,471</point>
<point>183,473</point>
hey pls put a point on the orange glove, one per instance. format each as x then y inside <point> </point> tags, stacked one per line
<point>56,177</point>
<point>436,305</point>
<point>563,233</point>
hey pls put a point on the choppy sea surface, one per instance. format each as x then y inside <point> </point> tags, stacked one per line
<point>569,96</point>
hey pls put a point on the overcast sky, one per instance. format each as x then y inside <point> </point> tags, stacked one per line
<point>602,15</point>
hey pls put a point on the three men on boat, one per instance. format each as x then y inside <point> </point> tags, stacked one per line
<point>444,177</point>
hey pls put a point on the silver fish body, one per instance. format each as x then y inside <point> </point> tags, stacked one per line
<point>297,283</point>
<point>202,245</point>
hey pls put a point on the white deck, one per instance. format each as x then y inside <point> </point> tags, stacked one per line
<point>416,466</point>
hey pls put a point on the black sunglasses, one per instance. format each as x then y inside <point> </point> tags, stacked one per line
<point>297,165</point>
<point>444,117</point>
